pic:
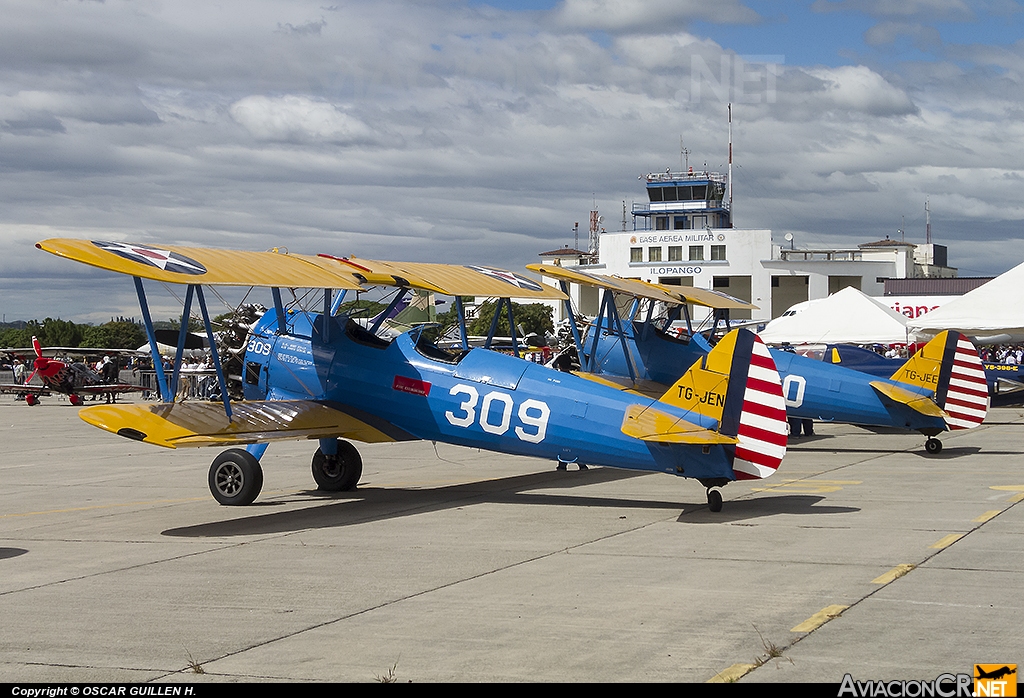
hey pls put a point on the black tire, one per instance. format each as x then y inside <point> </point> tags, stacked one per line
<point>714,500</point>
<point>338,473</point>
<point>236,478</point>
<point>933,446</point>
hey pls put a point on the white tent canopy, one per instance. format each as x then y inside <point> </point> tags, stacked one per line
<point>846,317</point>
<point>993,312</point>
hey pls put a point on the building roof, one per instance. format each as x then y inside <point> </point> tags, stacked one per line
<point>956,286</point>
<point>886,243</point>
<point>564,252</point>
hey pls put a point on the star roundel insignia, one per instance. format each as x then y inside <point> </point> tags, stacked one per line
<point>153,256</point>
<point>508,277</point>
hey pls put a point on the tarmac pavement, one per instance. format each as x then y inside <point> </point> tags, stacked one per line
<point>862,555</point>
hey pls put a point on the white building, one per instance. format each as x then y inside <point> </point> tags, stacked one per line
<point>683,236</point>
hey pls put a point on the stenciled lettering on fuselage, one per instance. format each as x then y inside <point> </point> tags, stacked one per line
<point>708,398</point>
<point>494,415</point>
<point>922,378</point>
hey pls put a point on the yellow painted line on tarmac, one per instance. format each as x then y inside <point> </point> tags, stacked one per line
<point>732,674</point>
<point>946,541</point>
<point>987,515</point>
<point>1011,488</point>
<point>819,619</point>
<point>893,574</point>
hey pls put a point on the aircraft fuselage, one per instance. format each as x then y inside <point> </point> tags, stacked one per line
<point>477,398</point>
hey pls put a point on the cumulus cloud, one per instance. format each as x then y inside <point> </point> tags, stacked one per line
<point>479,136</point>
<point>663,15</point>
<point>860,89</point>
<point>298,120</point>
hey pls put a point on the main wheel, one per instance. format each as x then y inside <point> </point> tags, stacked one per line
<point>338,473</point>
<point>714,500</point>
<point>236,478</point>
<point>75,399</point>
<point>31,399</point>
<point>933,445</point>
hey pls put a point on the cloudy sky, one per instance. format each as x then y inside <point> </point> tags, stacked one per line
<point>457,130</point>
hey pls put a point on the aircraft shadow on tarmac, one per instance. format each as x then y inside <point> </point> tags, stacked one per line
<point>804,446</point>
<point>769,504</point>
<point>376,504</point>
<point>11,552</point>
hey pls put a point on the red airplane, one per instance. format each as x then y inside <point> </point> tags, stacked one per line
<point>71,379</point>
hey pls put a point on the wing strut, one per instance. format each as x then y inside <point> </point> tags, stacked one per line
<point>609,318</point>
<point>461,312</point>
<point>572,320</point>
<point>215,354</point>
<point>186,313</point>
<point>158,365</point>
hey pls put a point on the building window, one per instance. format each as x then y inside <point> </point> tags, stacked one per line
<point>718,253</point>
<point>696,253</point>
<point>679,222</point>
<point>720,282</point>
<point>675,254</point>
<point>653,254</point>
<point>636,254</point>
<point>661,223</point>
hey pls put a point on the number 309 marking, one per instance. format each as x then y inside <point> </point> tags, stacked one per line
<point>496,414</point>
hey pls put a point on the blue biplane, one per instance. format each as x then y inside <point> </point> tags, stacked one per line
<point>940,388</point>
<point>315,373</point>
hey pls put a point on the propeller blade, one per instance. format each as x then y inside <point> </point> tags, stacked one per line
<point>38,347</point>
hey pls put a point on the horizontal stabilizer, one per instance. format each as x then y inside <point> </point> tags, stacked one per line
<point>624,383</point>
<point>738,385</point>
<point>651,424</point>
<point>182,424</point>
<point>915,401</point>
<point>949,366</point>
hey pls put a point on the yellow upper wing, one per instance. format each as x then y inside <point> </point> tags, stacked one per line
<point>464,280</point>
<point>199,265</point>
<point>631,287</point>
<point>643,289</point>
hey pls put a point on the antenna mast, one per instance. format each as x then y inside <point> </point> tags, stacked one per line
<point>927,223</point>
<point>730,167</point>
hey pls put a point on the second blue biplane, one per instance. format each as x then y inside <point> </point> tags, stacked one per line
<point>941,388</point>
<point>314,374</point>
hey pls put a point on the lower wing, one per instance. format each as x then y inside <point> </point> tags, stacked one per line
<point>183,424</point>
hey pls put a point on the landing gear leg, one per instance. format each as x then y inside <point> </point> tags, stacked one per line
<point>933,445</point>
<point>714,500</point>
<point>338,471</point>
<point>236,478</point>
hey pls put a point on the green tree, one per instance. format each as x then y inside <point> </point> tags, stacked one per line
<point>534,317</point>
<point>115,335</point>
<point>15,338</point>
<point>60,333</point>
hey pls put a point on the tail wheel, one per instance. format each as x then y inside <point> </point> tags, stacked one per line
<point>338,473</point>
<point>933,445</point>
<point>236,478</point>
<point>714,500</point>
